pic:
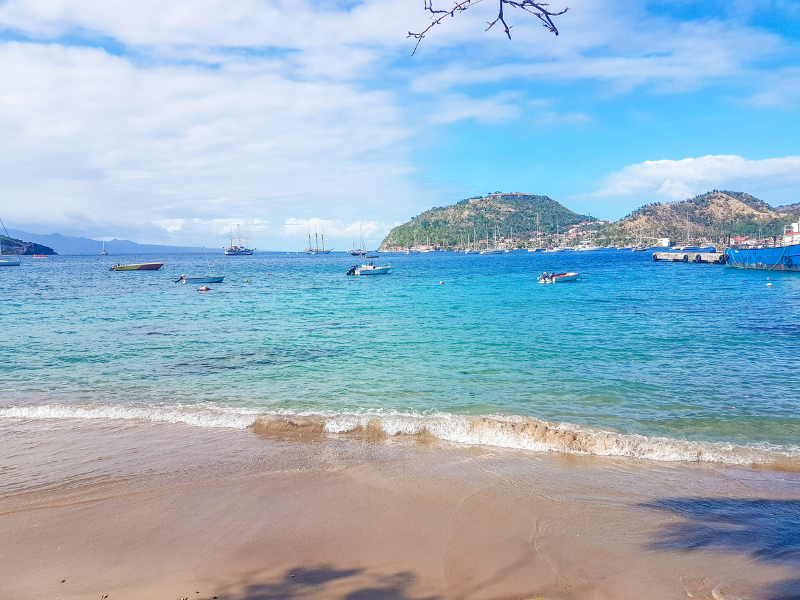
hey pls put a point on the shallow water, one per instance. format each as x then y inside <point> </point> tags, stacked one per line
<point>686,362</point>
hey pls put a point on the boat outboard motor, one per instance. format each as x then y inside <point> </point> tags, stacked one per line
<point>352,270</point>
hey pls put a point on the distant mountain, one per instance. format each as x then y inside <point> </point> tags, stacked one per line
<point>10,245</point>
<point>789,209</point>
<point>713,215</point>
<point>64,244</point>
<point>448,225</point>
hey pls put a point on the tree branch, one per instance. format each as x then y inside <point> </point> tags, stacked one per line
<point>538,9</point>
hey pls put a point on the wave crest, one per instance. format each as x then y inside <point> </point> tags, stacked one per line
<point>522,433</point>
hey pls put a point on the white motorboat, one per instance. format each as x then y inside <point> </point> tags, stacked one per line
<point>370,269</point>
<point>558,277</point>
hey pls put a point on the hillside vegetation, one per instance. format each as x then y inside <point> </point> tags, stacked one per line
<point>449,225</point>
<point>714,215</point>
<point>8,246</point>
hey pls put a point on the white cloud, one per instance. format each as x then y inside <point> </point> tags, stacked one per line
<point>90,138</point>
<point>681,179</point>
<point>456,107</point>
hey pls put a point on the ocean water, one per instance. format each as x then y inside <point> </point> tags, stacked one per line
<point>671,362</point>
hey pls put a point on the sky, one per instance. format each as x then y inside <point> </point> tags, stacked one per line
<point>171,121</point>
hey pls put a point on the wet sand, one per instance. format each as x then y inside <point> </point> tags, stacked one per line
<point>168,511</point>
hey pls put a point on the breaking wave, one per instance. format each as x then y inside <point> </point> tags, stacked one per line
<point>522,433</point>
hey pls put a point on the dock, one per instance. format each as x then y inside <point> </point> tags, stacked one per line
<point>717,258</point>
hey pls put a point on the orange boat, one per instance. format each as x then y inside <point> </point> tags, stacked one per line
<point>40,256</point>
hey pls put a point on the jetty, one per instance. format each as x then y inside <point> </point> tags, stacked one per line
<point>717,258</point>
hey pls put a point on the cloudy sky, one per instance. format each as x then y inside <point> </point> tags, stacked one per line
<point>169,121</point>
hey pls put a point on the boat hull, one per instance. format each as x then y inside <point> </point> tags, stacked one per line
<point>137,267</point>
<point>238,252</point>
<point>202,279</point>
<point>10,263</point>
<point>559,278</point>
<point>375,271</point>
<point>781,258</point>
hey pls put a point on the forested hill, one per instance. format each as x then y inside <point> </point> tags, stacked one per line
<point>448,225</point>
<point>10,245</point>
<point>713,215</point>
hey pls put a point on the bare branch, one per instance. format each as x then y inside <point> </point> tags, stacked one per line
<point>538,9</point>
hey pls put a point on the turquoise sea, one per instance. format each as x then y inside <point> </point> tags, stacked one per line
<point>653,360</point>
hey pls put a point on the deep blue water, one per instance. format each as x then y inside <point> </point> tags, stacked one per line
<point>696,352</point>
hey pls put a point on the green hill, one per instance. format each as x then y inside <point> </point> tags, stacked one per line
<point>714,215</point>
<point>8,245</point>
<point>449,225</point>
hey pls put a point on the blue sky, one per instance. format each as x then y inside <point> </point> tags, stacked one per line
<point>169,121</point>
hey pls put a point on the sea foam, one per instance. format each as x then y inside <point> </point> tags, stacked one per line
<point>516,432</point>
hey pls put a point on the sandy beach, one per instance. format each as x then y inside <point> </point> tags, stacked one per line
<point>239,515</point>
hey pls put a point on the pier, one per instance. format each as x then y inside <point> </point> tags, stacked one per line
<point>696,257</point>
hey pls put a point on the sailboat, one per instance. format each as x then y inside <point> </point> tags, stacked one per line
<point>237,249</point>
<point>210,279</point>
<point>316,249</point>
<point>7,260</point>
<point>103,253</point>
<point>472,249</point>
<point>494,249</point>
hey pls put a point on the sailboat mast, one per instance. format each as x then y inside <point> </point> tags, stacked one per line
<point>13,245</point>
<point>323,239</point>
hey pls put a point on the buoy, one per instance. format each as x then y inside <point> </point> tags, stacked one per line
<point>441,283</point>
<point>205,288</point>
<point>246,280</point>
<point>769,285</point>
<point>268,274</point>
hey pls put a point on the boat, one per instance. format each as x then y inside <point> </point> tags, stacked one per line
<point>781,255</point>
<point>210,279</point>
<point>370,269</point>
<point>494,249</point>
<point>103,251</point>
<point>237,249</point>
<point>7,260</point>
<point>137,267</point>
<point>316,249</point>
<point>558,277</point>
<point>587,246</point>
<point>40,256</point>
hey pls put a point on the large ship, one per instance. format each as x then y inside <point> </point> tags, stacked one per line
<point>316,249</point>
<point>778,255</point>
<point>237,249</point>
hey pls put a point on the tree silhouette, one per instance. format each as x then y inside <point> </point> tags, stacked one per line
<point>539,9</point>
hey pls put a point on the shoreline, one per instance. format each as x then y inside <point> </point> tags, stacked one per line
<point>491,430</point>
<point>141,510</point>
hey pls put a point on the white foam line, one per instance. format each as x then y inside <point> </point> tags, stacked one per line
<point>523,433</point>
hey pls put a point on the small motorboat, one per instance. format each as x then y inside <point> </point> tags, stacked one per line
<point>137,267</point>
<point>558,277</point>
<point>370,269</point>
<point>212,279</point>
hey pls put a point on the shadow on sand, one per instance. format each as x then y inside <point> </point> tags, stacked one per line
<point>304,582</point>
<point>766,530</point>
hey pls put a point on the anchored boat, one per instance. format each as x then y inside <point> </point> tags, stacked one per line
<point>210,279</point>
<point>558,277</point>
<point>9,261</point>
<point>237,249</point>
<point>780,255</point>
<point>370,269</point>
<point>137,267</point>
